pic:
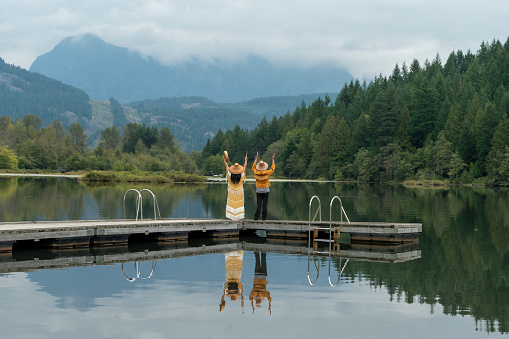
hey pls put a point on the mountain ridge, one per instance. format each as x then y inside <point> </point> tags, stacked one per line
<point>27,93</point>
<point>104,70</point>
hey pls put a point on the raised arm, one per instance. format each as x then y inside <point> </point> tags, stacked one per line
<point>225,163</point>
<point>245,162</point>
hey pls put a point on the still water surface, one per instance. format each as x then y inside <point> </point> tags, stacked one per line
<point>457,288</point>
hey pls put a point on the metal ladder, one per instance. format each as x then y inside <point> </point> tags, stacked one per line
<point>139,203</point>
<point>336,236</point>
<point>316,229</point>
<point>337,230</point>
<point>331,240</point>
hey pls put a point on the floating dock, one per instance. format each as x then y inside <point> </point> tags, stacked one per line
<point>97,233</point>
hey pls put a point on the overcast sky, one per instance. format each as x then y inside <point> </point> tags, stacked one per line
<point>368,37</point>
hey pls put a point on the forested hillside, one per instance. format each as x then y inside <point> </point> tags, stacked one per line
<point>23,92</point>
<point>424,121</point>
<point>194,120</point>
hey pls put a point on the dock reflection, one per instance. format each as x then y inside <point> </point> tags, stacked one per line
<point>139,261</point>
<point>27,260</point>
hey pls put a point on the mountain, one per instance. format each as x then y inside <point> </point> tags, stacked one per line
<point>104,71</point>
<point>192,120</point>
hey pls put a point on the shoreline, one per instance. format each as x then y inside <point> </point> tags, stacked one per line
<point>212,179</point>
<point>222,179</point>
<point>209,179</point>
<point>40,175</point>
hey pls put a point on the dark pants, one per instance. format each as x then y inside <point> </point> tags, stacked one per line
<point>261,204</point>
<point>260,264</point>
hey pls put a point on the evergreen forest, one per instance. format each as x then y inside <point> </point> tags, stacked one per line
<point>430,121</point>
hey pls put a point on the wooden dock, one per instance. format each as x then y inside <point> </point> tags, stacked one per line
<point>90,233</point>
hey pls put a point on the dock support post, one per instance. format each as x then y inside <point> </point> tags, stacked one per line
<point>6,246</point>
<point>171,236</point>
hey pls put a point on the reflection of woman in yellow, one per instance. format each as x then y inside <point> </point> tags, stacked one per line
<point>233,287</point>
<point>259,291</point>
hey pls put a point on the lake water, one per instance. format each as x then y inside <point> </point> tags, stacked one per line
<point>457,288</point>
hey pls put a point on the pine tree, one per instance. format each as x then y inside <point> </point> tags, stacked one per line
<point>485,129</point>
<point>332,147</point>
<point>499,143</point>
<point>423,111</point>
<point>403,134</point>
<point>384,122</point>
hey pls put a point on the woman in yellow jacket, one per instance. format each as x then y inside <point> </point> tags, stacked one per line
<point>262,174</point>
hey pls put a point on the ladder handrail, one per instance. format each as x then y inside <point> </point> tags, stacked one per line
<point>139,203</point>
<point>318,211</point>
<point>317,267</point>
<point>137,270</point>
<point>342,210</point>
<point>155,203</point>
<point>340,272</point>
<point>139,200</point>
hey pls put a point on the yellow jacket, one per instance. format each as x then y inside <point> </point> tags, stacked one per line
<point>262,177</point>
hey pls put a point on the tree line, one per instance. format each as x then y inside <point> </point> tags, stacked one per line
<point>432,121</point>
<point>26,144</point>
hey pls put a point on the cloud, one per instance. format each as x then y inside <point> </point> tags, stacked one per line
<point>367,37</point>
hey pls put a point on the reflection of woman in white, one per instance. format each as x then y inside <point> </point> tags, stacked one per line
<point>235,176</point>
<point>233,287</point>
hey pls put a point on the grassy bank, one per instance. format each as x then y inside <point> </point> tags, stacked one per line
<point>138,176</point>
<point>426,183</point>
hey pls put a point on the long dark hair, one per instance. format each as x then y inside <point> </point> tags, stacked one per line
<point>235,178</point>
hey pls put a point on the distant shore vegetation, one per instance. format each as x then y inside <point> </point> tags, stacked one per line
<point>137,176</point>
